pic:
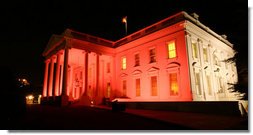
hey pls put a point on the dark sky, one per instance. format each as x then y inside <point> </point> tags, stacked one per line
<point>27,25</point>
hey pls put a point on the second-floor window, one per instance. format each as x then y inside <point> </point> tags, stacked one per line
<point>108,67</point>
<point>172,50</point>
<point>205,54</point>
<point>123,62</point>
<point>152,55</point>
<point>195,50</point>
<point>137,59</point>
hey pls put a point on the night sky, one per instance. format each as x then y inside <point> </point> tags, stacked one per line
<point>27,25</point>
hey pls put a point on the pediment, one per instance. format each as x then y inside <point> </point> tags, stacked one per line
<point>136,72</point>
<point>52,43</point>
<point>173,65</point>
<point>153,69</point>
<point>123,75</point>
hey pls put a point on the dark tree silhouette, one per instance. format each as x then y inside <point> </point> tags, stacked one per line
<point>242,70</point>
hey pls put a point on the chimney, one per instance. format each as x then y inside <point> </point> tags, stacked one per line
<point>224,36</point>
<point>196,16</point>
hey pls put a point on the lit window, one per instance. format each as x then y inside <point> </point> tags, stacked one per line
<point>124,88</point>
<point>153,86</point>
<point>197,83</point>
<point>173,84</point>
<point>137,59</point>
<point>108,67</point>
<point>123,62</point>
<point>205,54</point>
<point>172,49</point>
<point>138,87</point>
<point>208,81</point>
<point>194,50</point>
<point>152,55</point>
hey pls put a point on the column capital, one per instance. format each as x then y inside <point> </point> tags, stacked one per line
<point>69,43</point>
<point>53,57</point>
<point>86,51</point>
<point>187,33</point>
<point>60,52</point>
<point>47,61</point>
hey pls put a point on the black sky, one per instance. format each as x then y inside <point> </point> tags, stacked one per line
<point>27,25</point>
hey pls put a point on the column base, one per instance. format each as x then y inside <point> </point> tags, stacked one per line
<point>64,100</point>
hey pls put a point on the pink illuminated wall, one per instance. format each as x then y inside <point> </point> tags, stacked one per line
<point>161,68</point>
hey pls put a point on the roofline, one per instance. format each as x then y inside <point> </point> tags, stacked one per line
<point>180,16</point>
<point>207,29</point>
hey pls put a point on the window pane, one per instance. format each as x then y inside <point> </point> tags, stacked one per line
<point>152,55</point>
<point>108,67</point>
<point>124,88</point>
<point>208,84</point>
<point>172,49</point>
<point>194,50</point>
<point>137,59</point>
<point>197,83</point>
<point>205,54</point>
<point>153,86</point>
<point>123,63</point>
<point>137,85</point>
<point>173,84</point>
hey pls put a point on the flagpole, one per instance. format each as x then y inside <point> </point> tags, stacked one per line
<point>126,27</point>
<point>124,20</point>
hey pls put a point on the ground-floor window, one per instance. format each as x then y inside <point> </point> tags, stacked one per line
<point>124,88</point>
<point>173,84</point>
<point>108,90</point>
<point>208,81</point>
<point>153,85</point>
<point>138,87</point>
<point>197,84</point>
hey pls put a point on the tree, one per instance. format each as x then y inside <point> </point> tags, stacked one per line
<point>241,86</point>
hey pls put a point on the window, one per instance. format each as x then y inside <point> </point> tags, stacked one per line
<point>220,85</point>
<point>124,88</point>
<point>205,54</point>
<point>194,50</point>
<point>123,62</point>
<point>108,90</point>
<point>152,55</point>
<point>208,81</point>
<point>173,84</point>
<point>153,86</point>
<point>137,59</point>
<point>108,67</point>
<point>216,60</point>
<point>197,83</point>
<point>172,50</point>
<point>138,87</point>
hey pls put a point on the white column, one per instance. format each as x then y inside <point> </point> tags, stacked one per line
<point>45,79</point>
<point>50,87</point>
<point>70,81</point>
<point>60,89</point>
<point>97,75</point>
<point>57,76</point>
<point>86,65</point>
<point>65,71</point>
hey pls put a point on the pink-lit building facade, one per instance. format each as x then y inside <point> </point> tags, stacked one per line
<point>176,59</point>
